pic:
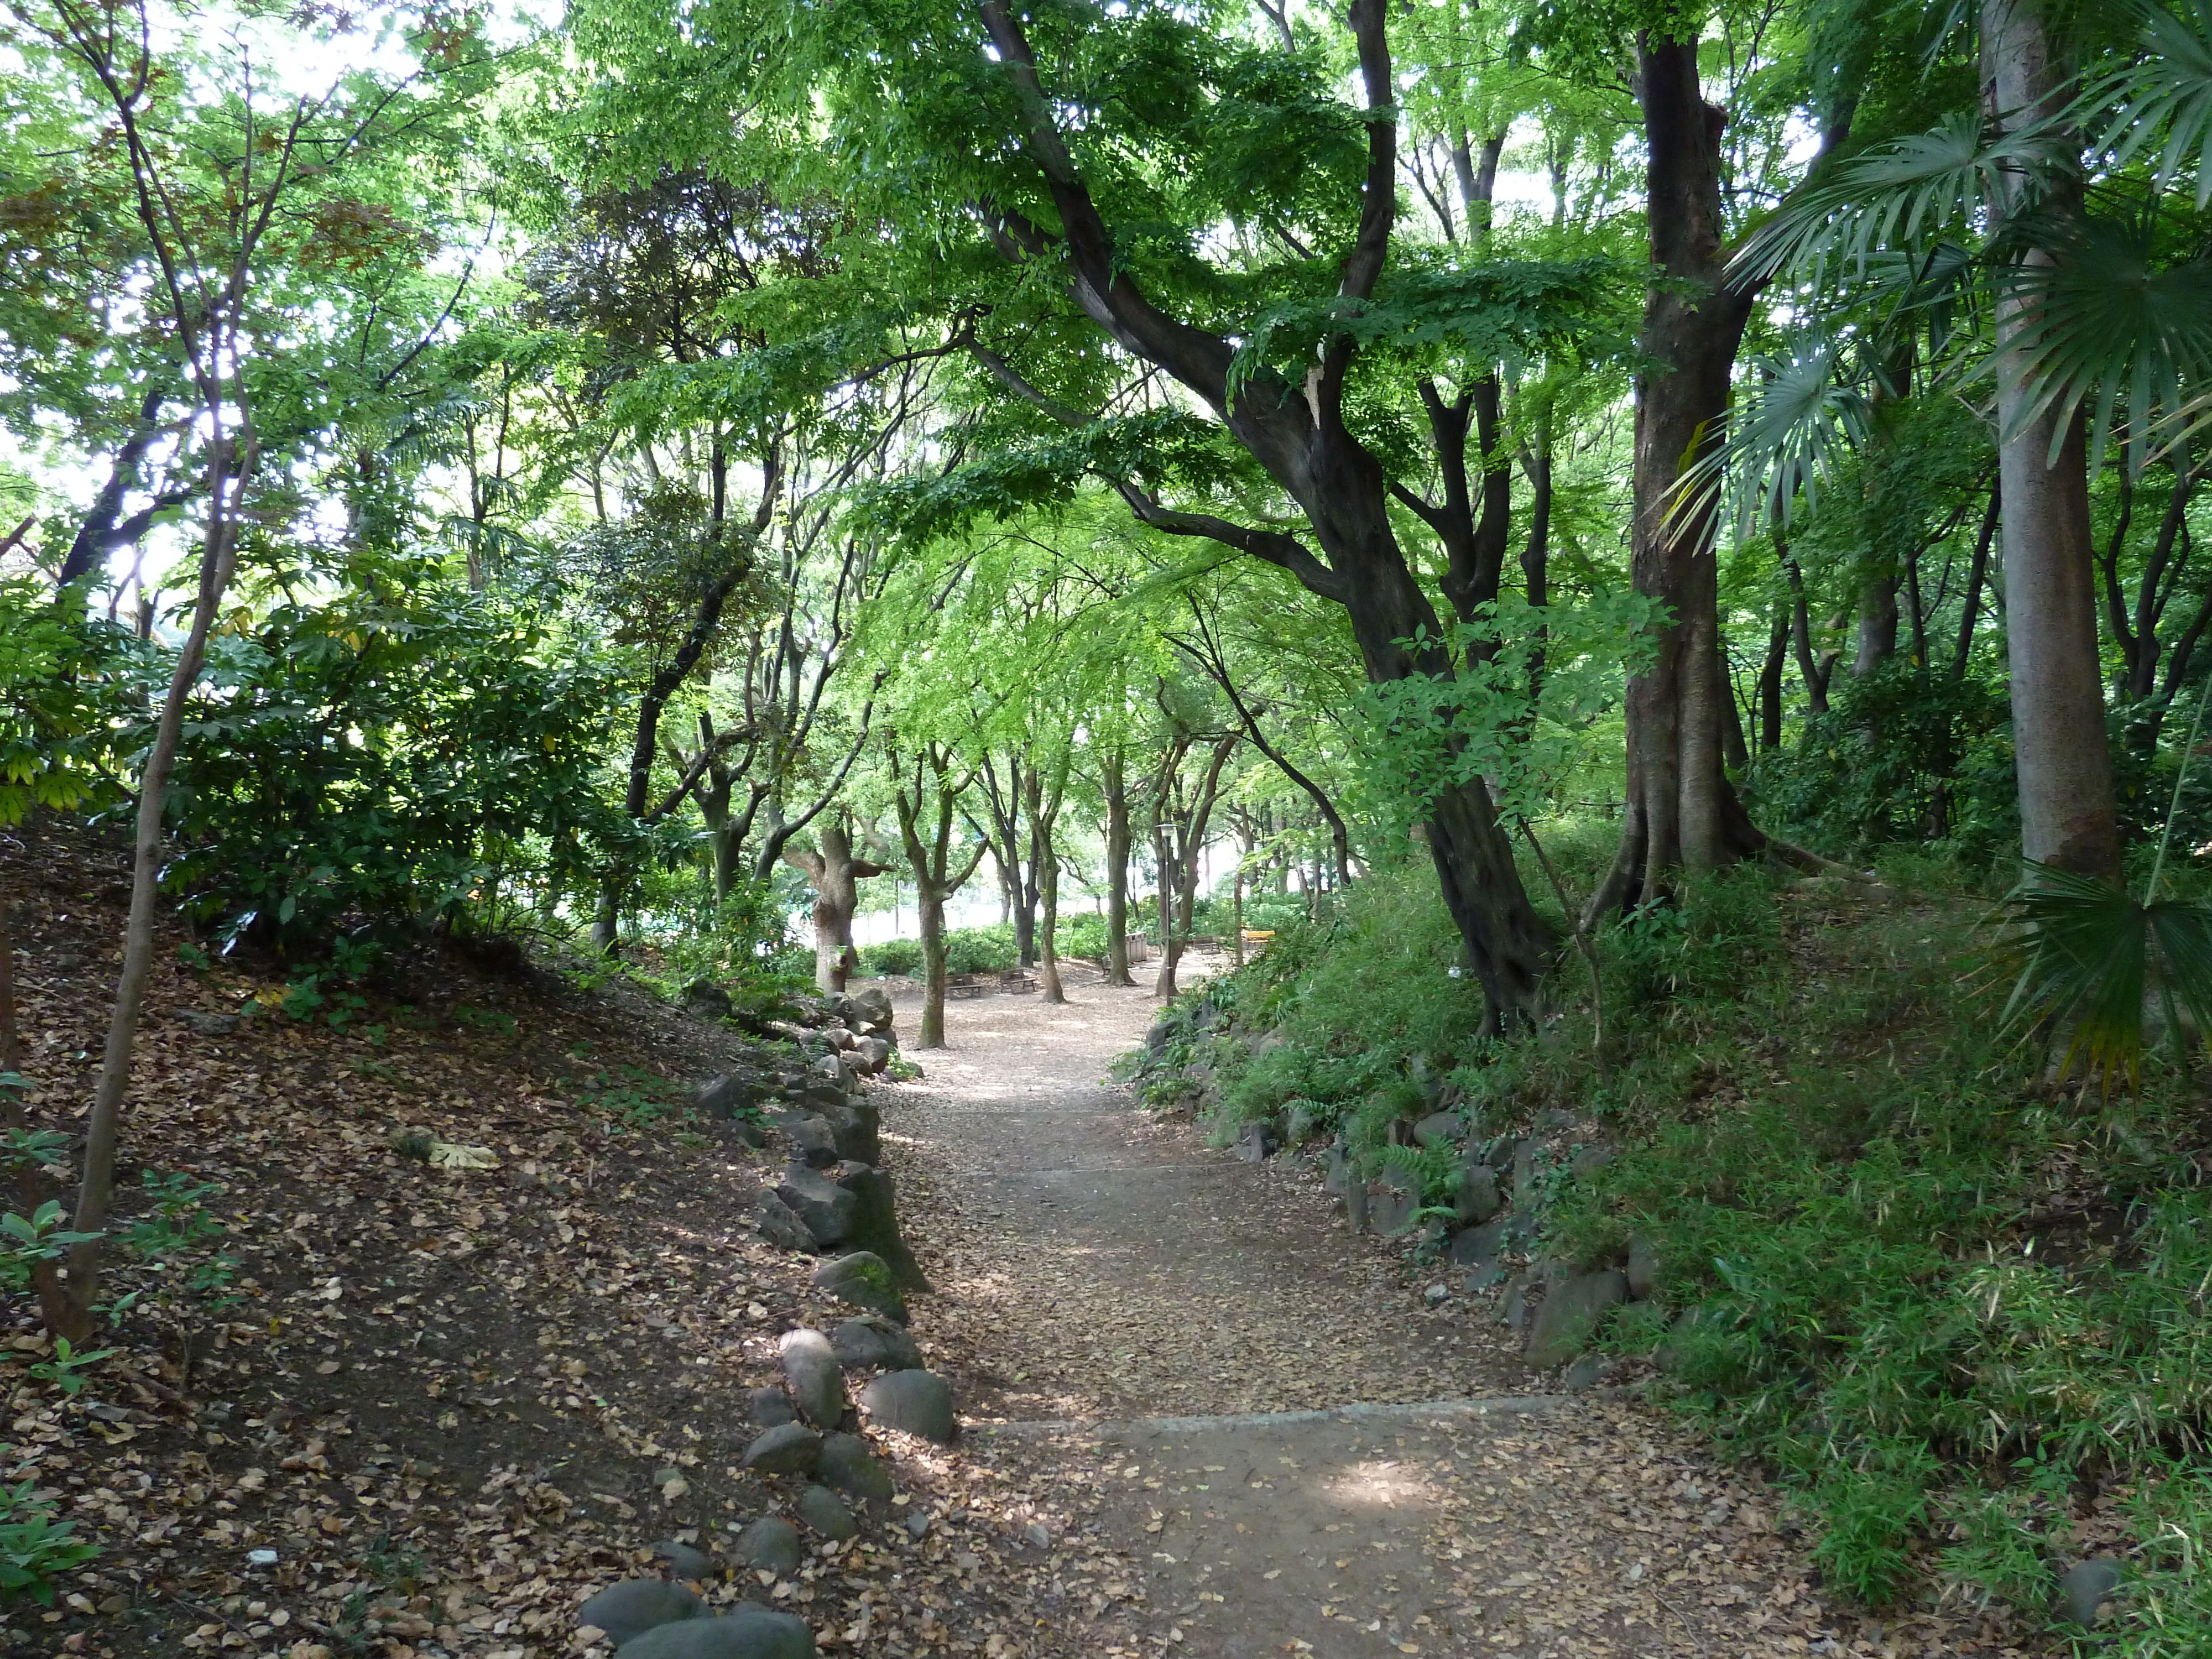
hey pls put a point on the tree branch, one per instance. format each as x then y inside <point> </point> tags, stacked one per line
<point>1285,552</point>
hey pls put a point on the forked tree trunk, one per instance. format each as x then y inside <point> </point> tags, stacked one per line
<point>934,879</point>
<point>835,874</point>
<point>1682,813</point>
<point>2067,816</point>
<point>1116,782</point>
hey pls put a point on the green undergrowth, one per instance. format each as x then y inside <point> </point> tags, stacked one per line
<point>1957,1310</point>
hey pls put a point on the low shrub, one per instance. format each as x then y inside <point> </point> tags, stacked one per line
<point>34,1547</point>
<point>360,762</point>
<point>893,956</point>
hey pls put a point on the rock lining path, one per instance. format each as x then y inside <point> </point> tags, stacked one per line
<point>1171,1329</point>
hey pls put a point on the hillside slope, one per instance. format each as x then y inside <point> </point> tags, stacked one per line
<point>451,1402</point>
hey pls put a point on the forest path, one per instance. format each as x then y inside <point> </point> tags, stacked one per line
<point>1178,1333</point>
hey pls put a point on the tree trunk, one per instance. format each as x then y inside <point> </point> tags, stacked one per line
<point>1117,870</point>
<point>1733,752</point>
<point>1049,918</point>
<point>1164,983</point>
<point>1029,881</point>
<point>1770,679</point>
<point>2067,811</point>
<point>1306,444</point>
<point>1536,553</point>
<point>1877,622</point>
<point>835,874</point>
<point>931,909</point>
<point>1507,943</point>
<point>934,879</point>
<point>104,528</point>
<point>1977,570</point>
<point>1237,918</point>
<point>1682,813</point>
<point>606,915</point>
<point>706,617</point>
<point>218,557</point>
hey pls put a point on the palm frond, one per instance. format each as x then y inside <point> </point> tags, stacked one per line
<point>2109,325</point>
<point>1951,179</point>
<point>2164,97</point>
<point>1785,440</point>
<point>2087,951</point>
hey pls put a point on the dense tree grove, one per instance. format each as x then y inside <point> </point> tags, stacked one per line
<point>654,483</point>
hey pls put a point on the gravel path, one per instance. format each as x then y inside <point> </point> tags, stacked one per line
<point>1123,1308</point>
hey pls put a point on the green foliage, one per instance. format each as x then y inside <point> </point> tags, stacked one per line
<point>893,956</point>
<point>58,696</point>
<point>1904,753</point>
<point>66,1369</point>
<point>34,1547</point>
<point>27,1240</point>
<point>1501,717</point>
<point>174,1233</point>
<point>632,1098</point>
<point>2085,954</point>
<point>967,950</point>
<point>409,753</point>
<point>1940,1303</point>
<point>1358,1004</point>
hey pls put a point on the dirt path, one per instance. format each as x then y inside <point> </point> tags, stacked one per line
<point>1172,1333</point>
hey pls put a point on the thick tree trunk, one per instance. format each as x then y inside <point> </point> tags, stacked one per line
<point>1877,623</point>
<point>1507,943</point>
<point>2067,811</point>
<point>1305,446</point>
<point>723,850</point>
<point>835,874</point>
<point>1117,870</point>
<point>1681,811</point>
<point>606,915</point>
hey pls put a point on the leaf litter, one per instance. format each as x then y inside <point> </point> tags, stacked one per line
<point>1103,1268</point>
<point>444,1404</point>
<point>449,1399</point>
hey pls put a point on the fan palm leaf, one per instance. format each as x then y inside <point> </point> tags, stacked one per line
<point>1953,181</point>
<point>1784,441</point>
<point>2163,99</point>
<point>2086,952</point>
<point>2105,322</point>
